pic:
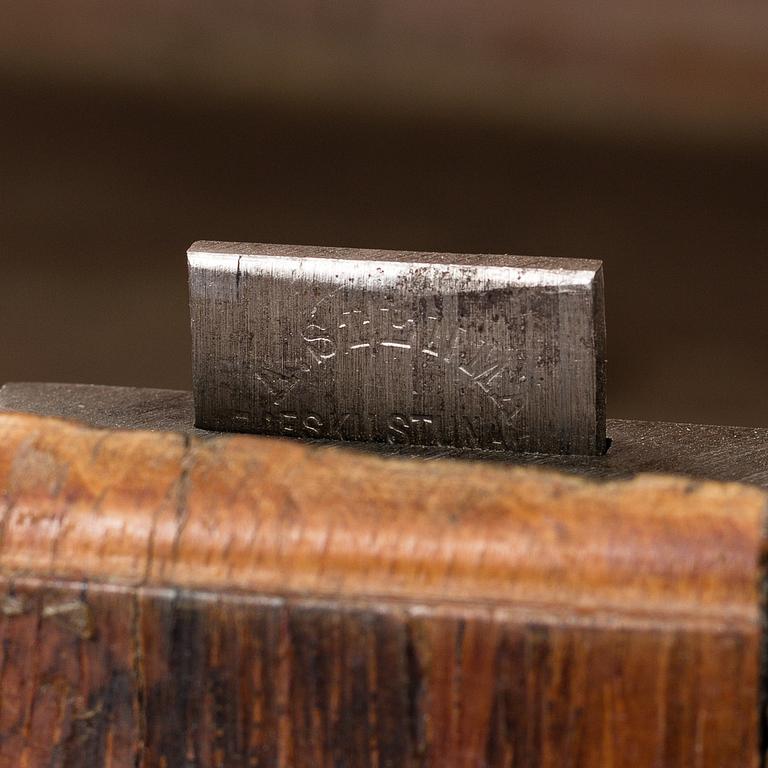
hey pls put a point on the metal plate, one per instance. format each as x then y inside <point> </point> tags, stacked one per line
<point>492,352</point>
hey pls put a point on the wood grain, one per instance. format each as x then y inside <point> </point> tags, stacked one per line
<point>246,601</point>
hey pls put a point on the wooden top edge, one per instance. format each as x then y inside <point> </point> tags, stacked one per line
<point>725,454</point>
<point>274,517</point>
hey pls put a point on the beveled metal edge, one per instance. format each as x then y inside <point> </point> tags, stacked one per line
<point>522,270</point>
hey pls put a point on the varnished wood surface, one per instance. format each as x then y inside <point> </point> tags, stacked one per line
<point>249,601</point>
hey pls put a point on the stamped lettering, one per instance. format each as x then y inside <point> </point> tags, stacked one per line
<point>496,353</point>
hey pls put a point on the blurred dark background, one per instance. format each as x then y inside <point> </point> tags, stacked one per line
<point>635,132</point>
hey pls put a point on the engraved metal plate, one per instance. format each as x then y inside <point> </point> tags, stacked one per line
<point>492,352</point>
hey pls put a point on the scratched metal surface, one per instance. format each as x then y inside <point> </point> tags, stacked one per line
<point>699,451</point>
<point>493,352</point>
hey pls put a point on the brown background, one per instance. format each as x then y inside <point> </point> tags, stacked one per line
<point>636,134</point>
